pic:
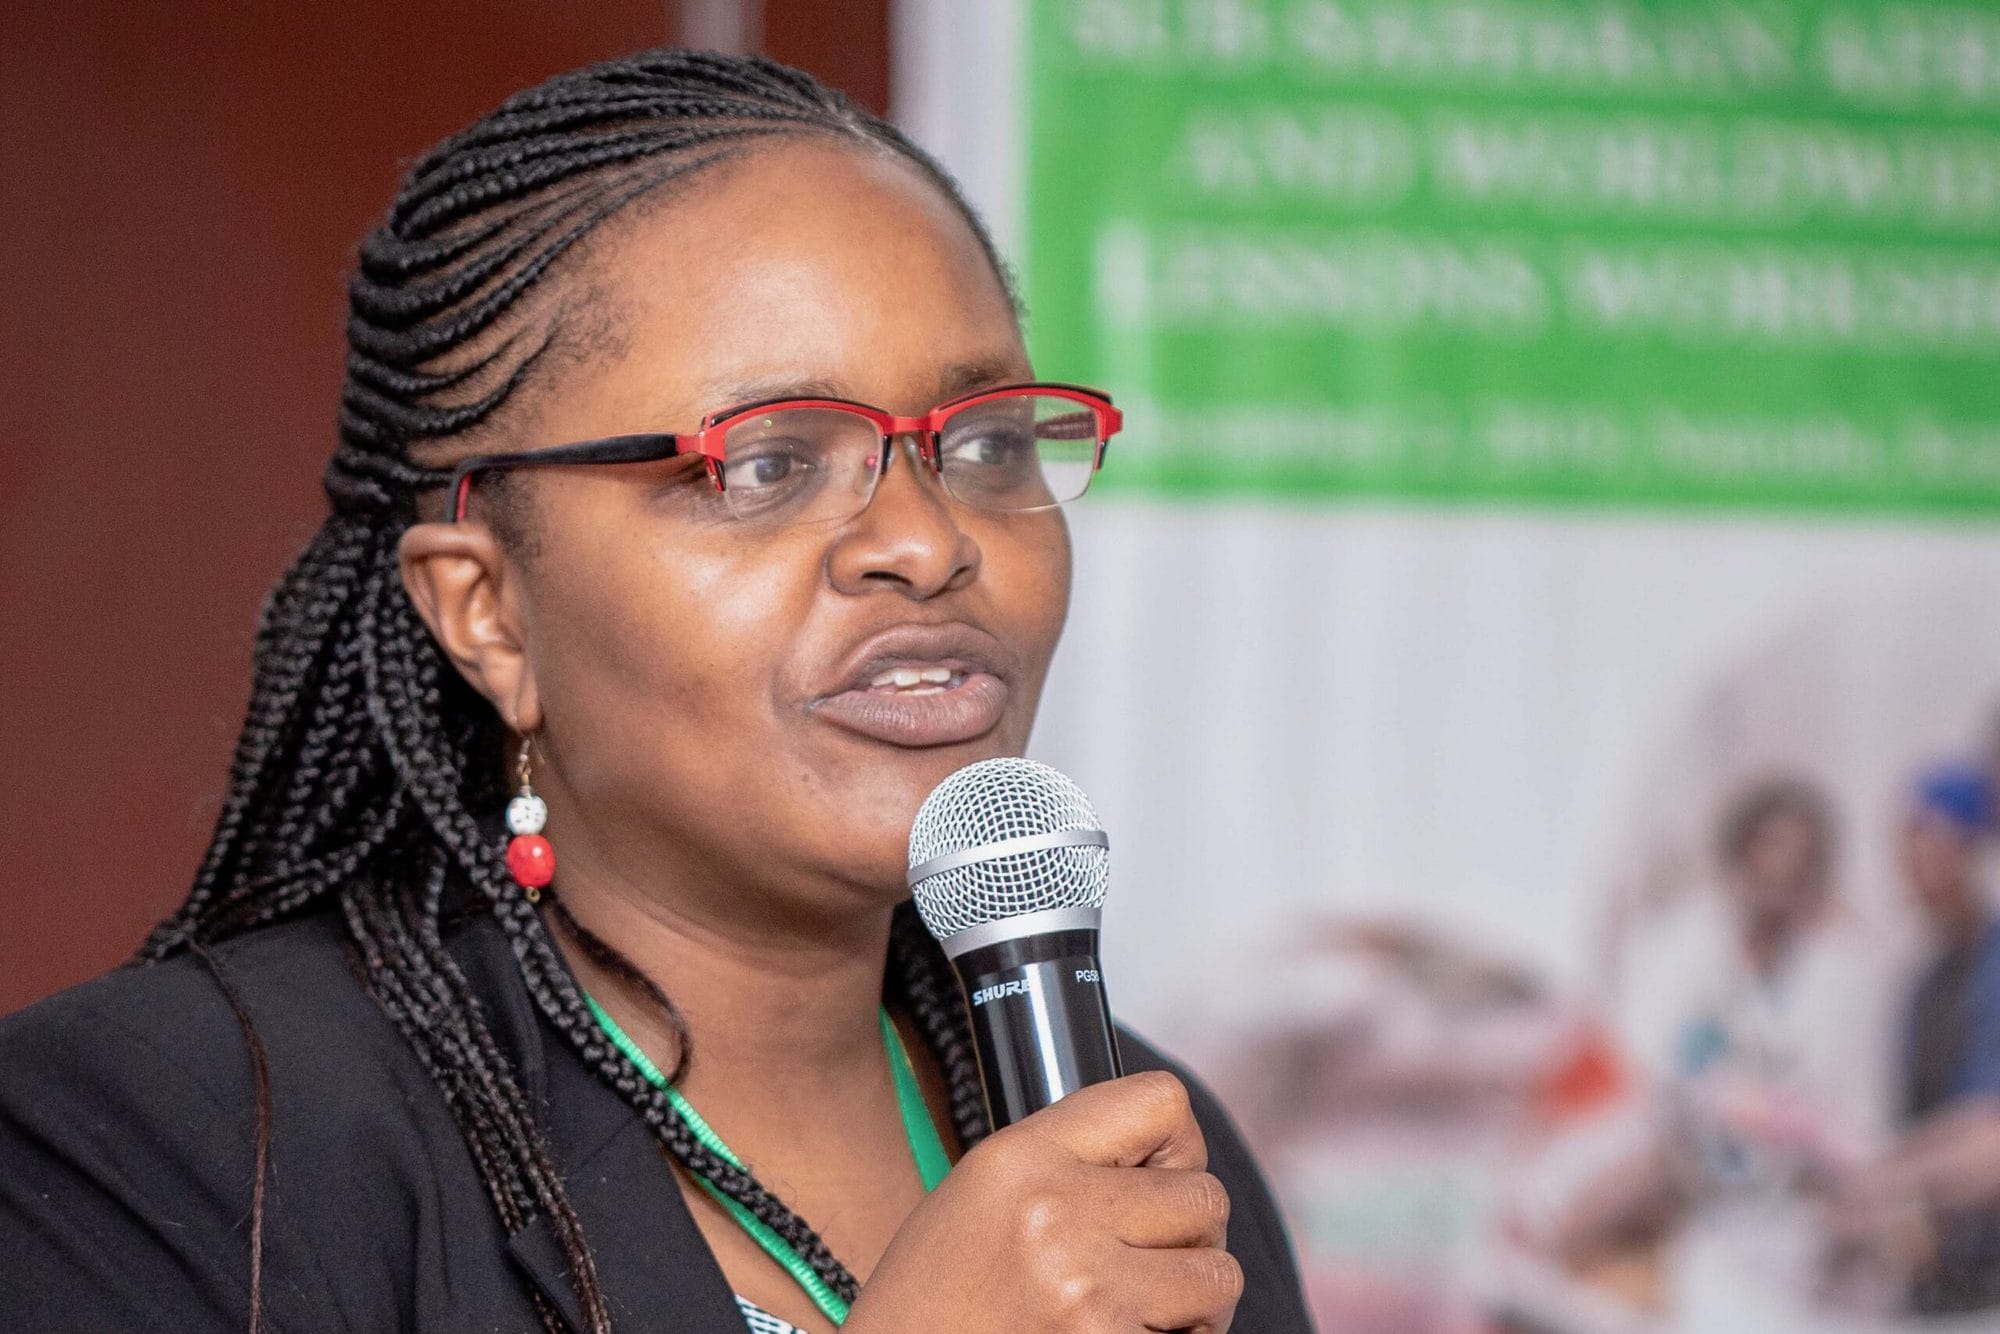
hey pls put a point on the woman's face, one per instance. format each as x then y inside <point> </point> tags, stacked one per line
<point>715,701</point>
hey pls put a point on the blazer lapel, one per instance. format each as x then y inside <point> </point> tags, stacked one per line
<point>653,1264</point>
<point>652,1261</point>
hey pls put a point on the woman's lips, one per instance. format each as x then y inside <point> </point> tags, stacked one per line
<point>925,711</point>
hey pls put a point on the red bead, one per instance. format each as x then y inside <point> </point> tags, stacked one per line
<point>531,860</point>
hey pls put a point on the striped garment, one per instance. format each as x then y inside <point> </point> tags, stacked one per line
<point>762,1321</point>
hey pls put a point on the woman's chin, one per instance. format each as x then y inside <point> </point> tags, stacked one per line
<point>875,877</point>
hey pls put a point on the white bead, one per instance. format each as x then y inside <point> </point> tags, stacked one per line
<point>527,815</point>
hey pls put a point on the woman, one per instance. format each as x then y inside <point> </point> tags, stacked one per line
<point>389,1068</point>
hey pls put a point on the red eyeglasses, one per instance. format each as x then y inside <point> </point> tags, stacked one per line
<point>814,460</point>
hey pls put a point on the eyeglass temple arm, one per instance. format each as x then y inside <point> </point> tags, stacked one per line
<point>644,448</point>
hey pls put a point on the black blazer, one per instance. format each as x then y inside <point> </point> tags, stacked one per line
<point>126,1150</point>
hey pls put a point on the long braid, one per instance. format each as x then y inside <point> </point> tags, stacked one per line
<point>930,988</point>
<point>292,638</point>
<point>363,754</point>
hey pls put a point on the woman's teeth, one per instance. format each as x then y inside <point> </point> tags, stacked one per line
<point>916,680</point>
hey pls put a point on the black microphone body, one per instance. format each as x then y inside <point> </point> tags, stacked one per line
<point>1040,1020</point>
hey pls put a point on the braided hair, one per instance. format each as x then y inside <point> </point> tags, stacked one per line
<point>363,754</point>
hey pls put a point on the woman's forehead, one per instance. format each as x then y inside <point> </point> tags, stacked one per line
<point>806,263</point>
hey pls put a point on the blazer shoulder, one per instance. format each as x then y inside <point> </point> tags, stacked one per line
<point>129,1126</point>
<point>156,1056</point>
<point>170,1027</point>
<point>128,1132</point>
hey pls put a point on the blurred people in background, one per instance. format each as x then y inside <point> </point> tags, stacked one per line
<point>1772,980</point>
<point>1934,1202</point>
<point>1953,1037</point>
<point>1756,1015</point>
<point>1952,1062</point>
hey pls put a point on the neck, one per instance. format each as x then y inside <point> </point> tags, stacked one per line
<point>791,1011</point>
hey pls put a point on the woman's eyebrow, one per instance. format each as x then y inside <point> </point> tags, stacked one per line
<point>729,395</point>
<point>956,379</point>
<point>966,376</point>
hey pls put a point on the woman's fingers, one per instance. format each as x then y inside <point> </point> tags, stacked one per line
<point>1096,1213</point>
<point>1142,1120</point>
<point>1162,1207</point>
<point>1192,1289</point>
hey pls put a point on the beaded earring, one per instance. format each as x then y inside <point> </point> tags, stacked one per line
<point>530,859</point>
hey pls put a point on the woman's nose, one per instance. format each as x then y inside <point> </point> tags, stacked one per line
<point>908,538</point>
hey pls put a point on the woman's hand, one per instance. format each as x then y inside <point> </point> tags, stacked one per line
<point>1094,1214</point>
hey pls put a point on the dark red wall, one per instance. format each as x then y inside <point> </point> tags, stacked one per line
<point>180,188</point>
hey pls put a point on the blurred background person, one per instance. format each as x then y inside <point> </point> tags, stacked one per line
<point>1933,1203</point>
<point>1766,983</point>
<point>1952,1038</point>
<point>1751,1018</point>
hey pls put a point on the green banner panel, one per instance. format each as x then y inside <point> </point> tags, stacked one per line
<point>1659,253</point>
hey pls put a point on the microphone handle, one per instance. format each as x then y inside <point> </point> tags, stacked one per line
<point>1040,1020</point>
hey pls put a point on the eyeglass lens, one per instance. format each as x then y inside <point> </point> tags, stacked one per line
<point>814,464</point>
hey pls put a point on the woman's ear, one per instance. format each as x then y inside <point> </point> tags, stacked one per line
<point>468,593</point>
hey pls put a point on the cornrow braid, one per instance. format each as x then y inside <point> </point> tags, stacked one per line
<point>363,754</point>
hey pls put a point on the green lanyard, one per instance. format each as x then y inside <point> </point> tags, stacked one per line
<point>925,1146</point>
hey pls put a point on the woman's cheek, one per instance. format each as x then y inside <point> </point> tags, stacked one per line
<point>1047,604</point>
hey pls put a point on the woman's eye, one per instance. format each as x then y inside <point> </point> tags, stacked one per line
<point>1004,447</point>
<point>764,468</point>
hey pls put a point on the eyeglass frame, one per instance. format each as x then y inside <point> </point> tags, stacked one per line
<point>707,442</point>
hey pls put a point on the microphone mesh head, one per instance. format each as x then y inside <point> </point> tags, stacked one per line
<point>987,803</point>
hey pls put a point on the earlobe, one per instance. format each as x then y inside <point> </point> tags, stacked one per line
<point>467,591</point>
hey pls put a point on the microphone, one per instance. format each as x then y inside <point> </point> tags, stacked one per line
<point>1008,867</point>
